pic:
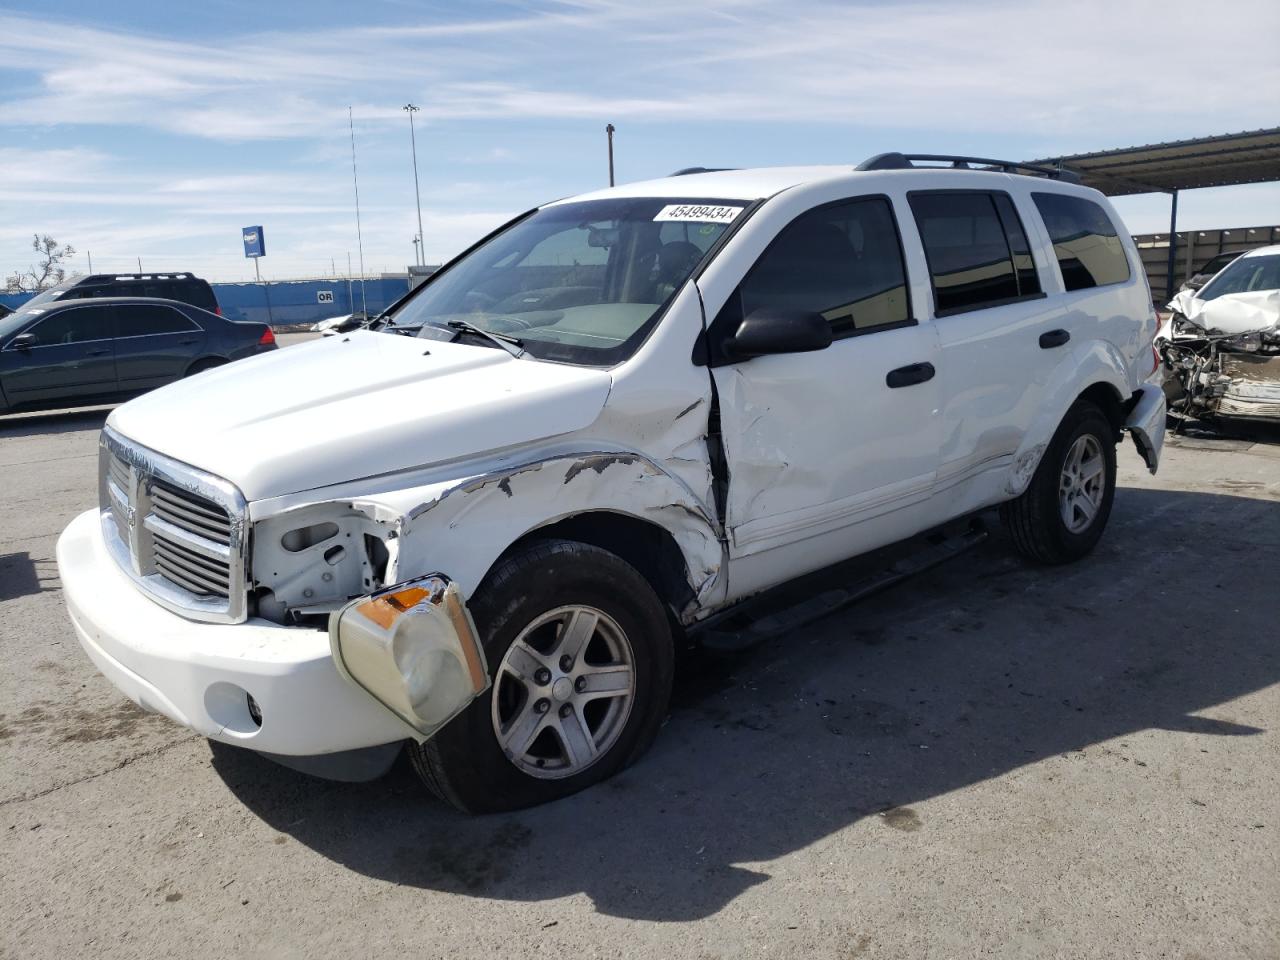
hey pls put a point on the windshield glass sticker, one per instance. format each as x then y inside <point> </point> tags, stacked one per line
<point>697,213</point>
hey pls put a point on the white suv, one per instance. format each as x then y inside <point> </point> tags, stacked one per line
<point>478,531</point>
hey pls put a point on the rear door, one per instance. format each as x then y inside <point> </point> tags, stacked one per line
<point>155,344</point>
<point>71,359</point>
<point>997,332</point>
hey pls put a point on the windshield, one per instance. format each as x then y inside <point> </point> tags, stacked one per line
<point>1243,276</point>
<point>575,282</point>
<point>53,293</point>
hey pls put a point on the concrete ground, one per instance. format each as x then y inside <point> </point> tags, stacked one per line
<point>994,759</point>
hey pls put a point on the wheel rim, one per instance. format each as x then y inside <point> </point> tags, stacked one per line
<point>563,692</point>
<point>1083,484</point>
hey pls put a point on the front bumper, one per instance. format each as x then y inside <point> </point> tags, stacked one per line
<point>201,674</point>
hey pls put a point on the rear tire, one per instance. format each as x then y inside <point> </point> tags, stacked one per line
<point>1061,515</point>
<point>581,657</point>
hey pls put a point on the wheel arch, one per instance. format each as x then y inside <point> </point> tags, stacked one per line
<point>1096,372</point>
<point>649,547</point>
<point>206,362</point>
<point>620,501</point>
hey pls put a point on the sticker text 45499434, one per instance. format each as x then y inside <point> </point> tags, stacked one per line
<point>698,213</point>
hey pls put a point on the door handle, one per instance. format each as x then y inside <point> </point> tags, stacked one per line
<point>909,375</point>
<point>1054,338</point>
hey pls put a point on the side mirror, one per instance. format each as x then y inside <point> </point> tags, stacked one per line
<point>24,341</point>
<point>770,330</point>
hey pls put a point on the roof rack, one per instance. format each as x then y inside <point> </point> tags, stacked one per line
<point>159,275</point>
<point>688,170</point>
<point>905,161</point>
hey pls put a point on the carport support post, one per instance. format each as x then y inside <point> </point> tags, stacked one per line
<point>1173,245</point>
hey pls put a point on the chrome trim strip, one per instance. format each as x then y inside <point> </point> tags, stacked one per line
<point>135,554</point>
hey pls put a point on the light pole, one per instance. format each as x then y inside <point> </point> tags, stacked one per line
<point>410,109</point>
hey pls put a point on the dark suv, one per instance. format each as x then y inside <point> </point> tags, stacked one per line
<point>184,287</point>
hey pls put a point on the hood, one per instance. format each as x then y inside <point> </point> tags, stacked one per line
<point>355,406</point>
<point>1232,314</point>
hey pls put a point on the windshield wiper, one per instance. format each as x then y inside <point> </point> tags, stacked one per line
<point>513,345</point>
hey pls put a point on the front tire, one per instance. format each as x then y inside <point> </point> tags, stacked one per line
<point>581,657</point>
<point>1063,512</point>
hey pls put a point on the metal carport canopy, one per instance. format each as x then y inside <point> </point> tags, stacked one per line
<point>1222,161</point>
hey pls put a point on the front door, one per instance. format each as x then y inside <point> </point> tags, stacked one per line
<point>71,358</point>
<point>832,452</point>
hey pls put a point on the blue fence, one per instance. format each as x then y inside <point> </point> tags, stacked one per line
<point>291,301</point>
<point>306,301</point>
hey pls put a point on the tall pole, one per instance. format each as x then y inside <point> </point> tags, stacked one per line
<point>609,130</point>
<point>410,109</point>
<point>351,124</point>
<point>90,256</point>
<point>139,264</point>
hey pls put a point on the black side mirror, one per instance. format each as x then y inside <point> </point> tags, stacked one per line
<point>24,341</point>
<point>770,330</point>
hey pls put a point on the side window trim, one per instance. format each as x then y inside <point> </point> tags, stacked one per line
<point>190,325</point>
<point>716,332</point>
<point>38,346</point>
<point>990,304</point>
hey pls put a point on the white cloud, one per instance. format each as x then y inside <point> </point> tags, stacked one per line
<point>1064,78</point>
<point>1032,67</point>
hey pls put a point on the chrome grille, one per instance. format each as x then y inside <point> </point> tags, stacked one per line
<point>190,512</point>
<point>179,532</point>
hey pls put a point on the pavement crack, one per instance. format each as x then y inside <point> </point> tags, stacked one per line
<point>145,755</point>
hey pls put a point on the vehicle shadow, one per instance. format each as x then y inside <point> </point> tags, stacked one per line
<point>964,674</point>
<point>19,576</point>
<point>46,423</point>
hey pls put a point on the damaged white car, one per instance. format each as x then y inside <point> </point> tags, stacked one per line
<point>1221,343</point>
<point>615,417</point>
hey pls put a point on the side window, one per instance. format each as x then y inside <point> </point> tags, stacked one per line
<point>976,248</point>
<point>842,260</point>
<point>77,325</point>
<point>142,320</point>
<point>1085,241</point>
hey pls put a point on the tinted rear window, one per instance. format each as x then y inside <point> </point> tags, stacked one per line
<point>1088,248</point>
<point>141,320</point>
<point>976,248</point>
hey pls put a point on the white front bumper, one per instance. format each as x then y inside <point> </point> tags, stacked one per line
<point>201,674</point>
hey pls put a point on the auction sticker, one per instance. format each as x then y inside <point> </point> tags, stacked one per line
<point>698,213</point>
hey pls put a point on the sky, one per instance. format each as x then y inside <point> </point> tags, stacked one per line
<point>156,130</point>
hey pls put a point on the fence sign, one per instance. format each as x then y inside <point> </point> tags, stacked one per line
<point>324,296</point>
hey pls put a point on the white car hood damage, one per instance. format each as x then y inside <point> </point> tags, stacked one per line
<point>356,406</point>
<point>1232,314</point>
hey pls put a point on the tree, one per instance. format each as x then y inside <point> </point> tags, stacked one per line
<point>48,270</point>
